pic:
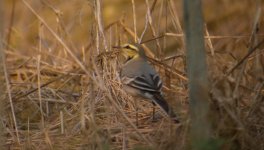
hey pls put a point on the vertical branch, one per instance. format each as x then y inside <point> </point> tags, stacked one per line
<point>98,16</point>
<point>39,74</point>
<point>150,22</point>
<point>134,20</point>
<point>147,17</point>
<point>253,42</point>
<point>197,73</point>
<point>2,79</point>
<point>11,22</point>
<point>6,78</point>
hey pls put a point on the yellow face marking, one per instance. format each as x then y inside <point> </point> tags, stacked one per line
<point>130,51</point>
<point>132,47</point>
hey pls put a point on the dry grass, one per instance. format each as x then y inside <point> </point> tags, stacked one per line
<point>65,91</point>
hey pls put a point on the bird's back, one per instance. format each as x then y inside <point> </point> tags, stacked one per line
<point>142,67</point>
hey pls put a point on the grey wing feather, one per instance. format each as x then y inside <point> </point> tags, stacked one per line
<point>141,76</point>
<point>141,83</point>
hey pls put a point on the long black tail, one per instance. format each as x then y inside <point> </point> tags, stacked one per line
<point>161,102</point>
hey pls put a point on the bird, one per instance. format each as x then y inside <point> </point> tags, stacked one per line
<point>140,79</point>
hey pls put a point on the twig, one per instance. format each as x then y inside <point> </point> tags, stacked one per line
<point>57,37</point>
<point>10,99</point>
<point>12,18</point>
<point>43,85</point>
<point>209,42</point>
<point>98,17</point>
<point>134,20</point>
<point>146,20</point>
<point>39,75</point>
<point>169,69</point>
<point>251,50</point>
<point>256,99</point>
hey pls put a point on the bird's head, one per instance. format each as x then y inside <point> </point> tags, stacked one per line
<point>132,51</point>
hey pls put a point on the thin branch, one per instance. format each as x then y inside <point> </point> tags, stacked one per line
<point>57,37</point>
<point>251,50</point>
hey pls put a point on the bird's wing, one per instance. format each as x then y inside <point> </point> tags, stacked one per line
<point>151,83</point>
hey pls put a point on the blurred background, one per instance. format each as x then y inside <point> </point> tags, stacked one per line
<point>222,18</point>
<point>57,106</point>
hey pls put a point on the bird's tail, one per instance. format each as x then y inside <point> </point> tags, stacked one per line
<point>161,102</point>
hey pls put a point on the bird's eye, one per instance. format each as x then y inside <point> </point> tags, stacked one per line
<point>127,47</point>
<point>130,47</point>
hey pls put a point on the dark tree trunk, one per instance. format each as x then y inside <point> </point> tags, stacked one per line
<point>197,74</point>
